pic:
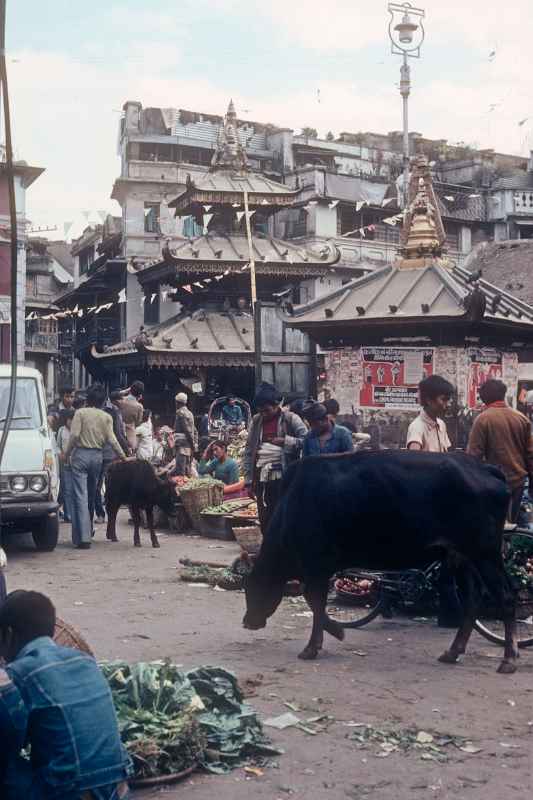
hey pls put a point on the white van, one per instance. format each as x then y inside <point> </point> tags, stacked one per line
<point>29,472</point>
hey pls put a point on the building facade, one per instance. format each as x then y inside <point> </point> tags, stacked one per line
<point>24,177</point>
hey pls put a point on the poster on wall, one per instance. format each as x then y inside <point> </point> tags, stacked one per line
<point>483,364</point>
<point>391,376</point>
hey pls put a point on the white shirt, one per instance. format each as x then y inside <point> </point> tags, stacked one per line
<point>430,434</point>
<point>145,443</point>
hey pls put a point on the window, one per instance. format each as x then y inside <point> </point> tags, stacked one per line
<point>296,225</point>
<point>191,228</point>
<point>27,412</point>
<point>151,218</point>
<point>86,258</point>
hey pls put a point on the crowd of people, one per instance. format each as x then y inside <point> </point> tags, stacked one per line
<point>65,760</point>
<point>91,431</point>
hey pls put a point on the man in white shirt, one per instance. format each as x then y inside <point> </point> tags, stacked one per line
<point>428,431</point>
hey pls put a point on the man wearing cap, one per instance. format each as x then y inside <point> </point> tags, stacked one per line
<point>185,436</point>
<point>325,436</point>
<point>274,440</point>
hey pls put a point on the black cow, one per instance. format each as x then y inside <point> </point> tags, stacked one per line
<point>385,510</point>
<point>134,483</point>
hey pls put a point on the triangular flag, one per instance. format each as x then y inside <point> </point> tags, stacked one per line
<point>207,208</point>
<point>206,220</point>
<point>359,205</point>
<point>333,204</point>
<point>240,215</point>
<point>187,288</point>
<point>142,300</point>
<point>122,296</point>
<point>30,315</point>
<point>246,266</point>
<point>153,296</point>
<point>200,285</point>
<point>387,201</point>
<point>164,295</point>
<point>80,313</point>
<point>208,280</point>
<point>251,213</point>
<point>218,277</point>
<point>226,273</point>
<point>264,203</point>
<point>236,205</point>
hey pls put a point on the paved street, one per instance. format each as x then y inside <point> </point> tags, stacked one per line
<point>130,604</point>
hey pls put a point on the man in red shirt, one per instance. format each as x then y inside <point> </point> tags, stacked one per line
<point>502,436</point>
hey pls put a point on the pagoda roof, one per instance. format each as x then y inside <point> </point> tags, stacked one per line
<point>395,295</point>
<point>226,186</point>
<point>203,338</point>
<point>230,176</point>
<point>213,253</point>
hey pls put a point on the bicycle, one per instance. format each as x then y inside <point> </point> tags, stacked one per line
<point>361,595</point>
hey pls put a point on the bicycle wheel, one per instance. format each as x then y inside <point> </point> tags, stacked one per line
<point>492,629</point>
<point>355,610</point>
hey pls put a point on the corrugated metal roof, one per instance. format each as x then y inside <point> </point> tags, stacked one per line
<point>518,180</point>
<point>393,294</point>
<point>204,332</point>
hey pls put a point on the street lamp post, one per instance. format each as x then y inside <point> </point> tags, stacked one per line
<point>406,33</point>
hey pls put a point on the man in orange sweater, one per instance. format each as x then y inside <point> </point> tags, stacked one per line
<point>502,436</point>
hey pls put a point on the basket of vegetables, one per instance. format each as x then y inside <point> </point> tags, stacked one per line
<point>201,493</point>
<point>215,521</point>
<point>245,516</point>
<point>352,591</point>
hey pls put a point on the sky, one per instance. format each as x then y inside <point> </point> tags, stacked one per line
<point>72,64</point>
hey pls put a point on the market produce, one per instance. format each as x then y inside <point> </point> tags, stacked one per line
<point>237,446</point>
<point>200,483</point>
<point>170,720</point>
<point>228,507</point>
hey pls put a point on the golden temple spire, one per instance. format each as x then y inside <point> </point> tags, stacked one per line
<point>423,234</point>
<point>230,154</point>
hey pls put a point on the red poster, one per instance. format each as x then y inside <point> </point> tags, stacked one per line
<point>391,376</point>
<point>483,365</point>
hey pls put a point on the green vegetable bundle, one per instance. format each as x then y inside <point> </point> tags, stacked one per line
<point>227,507</point>
<point>170,720</point>
<point>200,483</point>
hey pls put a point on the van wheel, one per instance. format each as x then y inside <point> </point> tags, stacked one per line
<point>45,533</point>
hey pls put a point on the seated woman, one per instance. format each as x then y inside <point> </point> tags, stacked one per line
<point>216,462</point>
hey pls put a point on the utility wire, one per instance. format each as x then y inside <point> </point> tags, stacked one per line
<point>14,236</point>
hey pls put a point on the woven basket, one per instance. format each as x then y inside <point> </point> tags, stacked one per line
<point>195,500</point>
<point>67,636</point>
<point>250,538</point>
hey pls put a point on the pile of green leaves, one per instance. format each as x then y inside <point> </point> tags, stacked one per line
<point>429,746</point>
<point>170,720</point>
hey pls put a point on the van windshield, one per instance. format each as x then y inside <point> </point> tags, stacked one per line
<point>27,413</point>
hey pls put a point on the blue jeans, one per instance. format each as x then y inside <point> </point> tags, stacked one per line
<point>66,491</point>
<point>21,782</point>
<point>86,465</point>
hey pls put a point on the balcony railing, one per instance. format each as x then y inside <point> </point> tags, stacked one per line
<point>45,342</point>
<point>100,331</point>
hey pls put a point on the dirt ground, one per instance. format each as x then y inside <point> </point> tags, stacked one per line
<point>129,604</point>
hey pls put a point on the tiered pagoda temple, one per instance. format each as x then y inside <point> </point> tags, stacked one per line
<point>214,343</point>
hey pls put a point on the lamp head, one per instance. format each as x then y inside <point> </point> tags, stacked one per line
<point>406,29</point>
